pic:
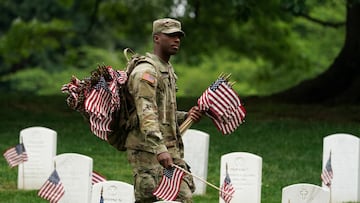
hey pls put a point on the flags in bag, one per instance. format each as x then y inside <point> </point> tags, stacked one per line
<point>53,189</point>
<point>227,189</point>
<point>327,173</point>
<point>222,104</point>
<point>169,185</point>
<point>97,178</point>
<point>16,155</point>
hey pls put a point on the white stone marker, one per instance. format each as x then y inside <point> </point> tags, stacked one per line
<point>40,145</point>
<point>75,172</point>
<point>245,171</point>
<point>113,192</point>
<point>305,193</point>
<point>196,152</point>
<point>345,162</point>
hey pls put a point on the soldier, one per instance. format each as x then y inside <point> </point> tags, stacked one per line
<point>156,142</point>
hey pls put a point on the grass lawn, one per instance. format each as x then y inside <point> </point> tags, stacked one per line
<point>287,137</point>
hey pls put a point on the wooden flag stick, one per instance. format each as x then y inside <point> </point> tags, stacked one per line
<point>213,186</point>
<point>185,125</point>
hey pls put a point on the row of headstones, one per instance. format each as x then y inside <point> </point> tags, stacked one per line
<point>245,169</point>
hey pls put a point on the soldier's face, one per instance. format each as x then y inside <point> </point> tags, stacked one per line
<point>170,43</point>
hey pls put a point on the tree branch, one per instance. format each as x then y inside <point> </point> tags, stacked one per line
<point>319,21</point>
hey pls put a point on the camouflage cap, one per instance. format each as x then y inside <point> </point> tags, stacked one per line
<point>167,26</point>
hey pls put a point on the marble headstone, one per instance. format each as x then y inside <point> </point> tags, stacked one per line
<point>305,193</point>
<point>113,192</point>
<point>75,172</point>
<point>245,172</point>
<point>196,151</point>
<point>40,145</point>
<point>344,150</point>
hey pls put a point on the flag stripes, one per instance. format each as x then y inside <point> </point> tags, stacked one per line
<point>52,189</point>
<point>227,189</point>
<point>16,155</point>
<point>222,104</point>
<point>97,177</point>
<point>169,185</point>
<point>327,173</point>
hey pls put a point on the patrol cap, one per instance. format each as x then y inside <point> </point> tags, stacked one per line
<point>167,26</point>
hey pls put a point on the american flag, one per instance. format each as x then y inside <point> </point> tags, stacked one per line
<point>97,177</point>
<point>16,155</point>
<point>101,196</point>
<point>52,189</point>
<point>327,173</point>
<point>227,190</point>
<point>222,104</point>
<point>169,185</point>
<point>98,105</point>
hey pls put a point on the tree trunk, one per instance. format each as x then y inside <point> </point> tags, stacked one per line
<point>341,82</point>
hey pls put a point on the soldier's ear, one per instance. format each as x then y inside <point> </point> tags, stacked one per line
<point>156,37</point>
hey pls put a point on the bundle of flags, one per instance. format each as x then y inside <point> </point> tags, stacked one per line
<point>222,104</point>
<point>169,185</point>
<point>327,173</point>
<point>16,155</point>
<point>97,97</point>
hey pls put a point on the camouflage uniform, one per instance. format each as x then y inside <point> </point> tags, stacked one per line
<point>153,86</point>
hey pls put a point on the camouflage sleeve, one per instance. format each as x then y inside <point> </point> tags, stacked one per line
<point>181,116</point>
<point>142,85</point>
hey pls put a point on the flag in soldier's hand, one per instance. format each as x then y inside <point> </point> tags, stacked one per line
<point>222,104</point>
<point>16,155</point>
<point>53,189</point>
<point>327,173</point>
<point>169,185</point>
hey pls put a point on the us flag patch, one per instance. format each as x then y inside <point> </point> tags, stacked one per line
<point>151,79</point>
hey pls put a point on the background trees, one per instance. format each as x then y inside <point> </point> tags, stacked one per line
<point>268,46</point>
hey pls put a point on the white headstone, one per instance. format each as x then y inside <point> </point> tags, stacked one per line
<point>75,172</point>
<point>40,145</point>
<point>345,162</point>
<point>196,151</point>
<point>305,193</point>
<point>245,172</point>
<point>113,192</point>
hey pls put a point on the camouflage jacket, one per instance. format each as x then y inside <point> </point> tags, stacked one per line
<point>153,87</point>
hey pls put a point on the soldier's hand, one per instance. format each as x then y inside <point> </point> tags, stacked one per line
<point>195,113</point>
<point>165,159</point>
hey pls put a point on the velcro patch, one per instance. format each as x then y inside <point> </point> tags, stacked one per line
<point>146,76</point>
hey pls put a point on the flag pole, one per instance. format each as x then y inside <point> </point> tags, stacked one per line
<point>213,186</point>
<point>185,125</point>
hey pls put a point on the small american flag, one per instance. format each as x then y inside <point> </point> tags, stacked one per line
<point>16,155</point>
<point>227,189</point>
<point>222,104</point>
<point>52,189</point>
<point>98,105</point>
<point>97,177</point>
<point>327,173</point>
<point>169,185</point>
<point>101,196</point>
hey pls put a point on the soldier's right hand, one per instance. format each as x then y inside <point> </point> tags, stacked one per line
<point>165,159</point>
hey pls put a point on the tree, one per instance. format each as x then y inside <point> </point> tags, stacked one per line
<point>341,82</point>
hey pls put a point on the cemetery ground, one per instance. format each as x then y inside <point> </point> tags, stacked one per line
<point>288,137</point>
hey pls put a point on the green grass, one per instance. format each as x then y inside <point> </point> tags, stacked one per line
<point>287,137</point>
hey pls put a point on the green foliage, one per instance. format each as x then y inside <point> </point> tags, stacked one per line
<point>261,43</point>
